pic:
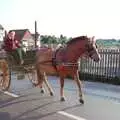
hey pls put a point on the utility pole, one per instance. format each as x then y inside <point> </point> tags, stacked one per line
<point>36,34</point>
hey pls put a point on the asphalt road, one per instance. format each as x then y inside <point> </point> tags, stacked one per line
<point>102,102</point>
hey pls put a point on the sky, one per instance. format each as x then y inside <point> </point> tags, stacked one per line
<point>72,18</point>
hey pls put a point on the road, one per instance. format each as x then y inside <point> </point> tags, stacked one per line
<point>102,102</point>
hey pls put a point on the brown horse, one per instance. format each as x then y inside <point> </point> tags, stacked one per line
<point>64,62</point>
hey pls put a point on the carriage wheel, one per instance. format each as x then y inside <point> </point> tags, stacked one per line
<point>5,77</point>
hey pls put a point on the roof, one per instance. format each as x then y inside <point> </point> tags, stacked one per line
<point>20,33</point>
<point>1,27</point>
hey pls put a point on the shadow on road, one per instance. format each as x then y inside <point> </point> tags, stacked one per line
<point>42,115</point>
<point>12,102</point>
<point>5,116</point>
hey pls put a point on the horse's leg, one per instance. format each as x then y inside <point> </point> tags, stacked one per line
<point>40,79</point>
<point>41,89</point>
<point>62,88</point>
<point>76,78</point>
<point>48,85</point>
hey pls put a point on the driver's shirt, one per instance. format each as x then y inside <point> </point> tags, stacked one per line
<point>10,45</point>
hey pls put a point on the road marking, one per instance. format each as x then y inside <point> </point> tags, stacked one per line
<point>10,94</point>
<point>70,115</point>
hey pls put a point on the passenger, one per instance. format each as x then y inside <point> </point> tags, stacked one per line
<point>13,47</point>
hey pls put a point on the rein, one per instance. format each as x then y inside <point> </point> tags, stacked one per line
<point>44,62</point>
<point>59,63</point>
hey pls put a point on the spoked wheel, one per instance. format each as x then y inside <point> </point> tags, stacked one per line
<point>5,77</point>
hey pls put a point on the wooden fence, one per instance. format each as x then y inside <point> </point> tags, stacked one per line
<point>106,69</point>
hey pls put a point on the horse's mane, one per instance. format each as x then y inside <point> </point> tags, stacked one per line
<point>73,40</point>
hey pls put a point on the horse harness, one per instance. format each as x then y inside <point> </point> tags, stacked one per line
<point>63,64</point>
<point>56,63</point>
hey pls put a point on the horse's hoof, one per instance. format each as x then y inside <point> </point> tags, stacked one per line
<point>42,91</point>
<point>81,101</point>
<point>51,94</point>
<point>62,99</point>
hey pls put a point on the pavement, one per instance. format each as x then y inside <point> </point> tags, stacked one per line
<point>102,102</point>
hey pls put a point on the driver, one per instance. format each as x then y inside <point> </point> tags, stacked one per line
<point>13,47</point>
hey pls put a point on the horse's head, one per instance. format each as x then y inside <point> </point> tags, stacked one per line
<point>83,45</point>
<point>91,49</point>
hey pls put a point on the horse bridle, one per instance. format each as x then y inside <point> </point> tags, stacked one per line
<point>90,49</point>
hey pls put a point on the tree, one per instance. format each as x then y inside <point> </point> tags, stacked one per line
<point>47,39</point>
<point>62,39</point>
<point>44,39</point>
